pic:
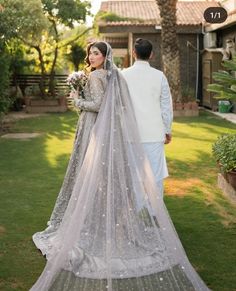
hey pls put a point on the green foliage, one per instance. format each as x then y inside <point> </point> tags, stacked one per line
<point>118,61</point>
<point>110,16</point>
<point>224,151</point>
<point>77,55</point>
<point>17,54</point>
<point>40,25</point>
<point>188,94</point>
<point>5,101</point>
<point>23,19</point>
<point>67,12</point>
<point>61,14</point>
<point>225,88</point>
<point>32,91</point>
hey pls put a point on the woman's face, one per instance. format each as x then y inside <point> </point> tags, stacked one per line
<point>96,58</point>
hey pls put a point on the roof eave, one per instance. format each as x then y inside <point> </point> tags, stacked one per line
<point>230,21</point>
<point>146,28</point>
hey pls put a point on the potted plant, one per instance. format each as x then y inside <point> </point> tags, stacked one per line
<point>62,94</point>
<point>31,92</point>
<point>224,151</point>
<point>225,86</point>
<point>188,106</point>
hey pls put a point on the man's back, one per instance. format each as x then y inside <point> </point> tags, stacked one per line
<point>145,84</point>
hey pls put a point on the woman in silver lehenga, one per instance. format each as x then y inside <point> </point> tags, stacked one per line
<point>93,93</point>
<point>102,240</point>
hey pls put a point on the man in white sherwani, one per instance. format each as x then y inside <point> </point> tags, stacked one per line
<point>152,101</point>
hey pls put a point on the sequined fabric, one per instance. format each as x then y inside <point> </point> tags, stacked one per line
<point>94,93</point>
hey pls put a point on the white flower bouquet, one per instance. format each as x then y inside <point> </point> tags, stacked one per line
<point>77,81</point>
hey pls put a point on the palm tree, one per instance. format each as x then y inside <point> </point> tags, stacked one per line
<point>169,47</point>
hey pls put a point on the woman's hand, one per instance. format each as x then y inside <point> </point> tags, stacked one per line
<point>71,99</point>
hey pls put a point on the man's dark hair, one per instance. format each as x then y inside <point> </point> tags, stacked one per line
<point>142,48</point>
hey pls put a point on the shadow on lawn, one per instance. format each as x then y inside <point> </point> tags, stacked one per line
<point>208,123</point>
<point>30,185</point>
<point>198,178</point>
<point>198,217</point>
<point>199,227</point>
<point>205,137</point>
<point>210,118</point>
<point>198,167</point>
<point>208,243</point>
<point>61,125</point>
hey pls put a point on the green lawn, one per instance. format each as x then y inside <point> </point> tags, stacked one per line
<point>31,173</point>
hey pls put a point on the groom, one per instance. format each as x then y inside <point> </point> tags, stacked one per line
<point>152,103</point>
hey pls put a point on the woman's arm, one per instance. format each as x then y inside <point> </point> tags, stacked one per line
<point>97,91</point>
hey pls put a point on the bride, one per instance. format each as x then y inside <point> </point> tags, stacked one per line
<point>103,239</point>
<point>94,93</point>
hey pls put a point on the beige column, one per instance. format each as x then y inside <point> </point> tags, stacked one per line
<point>130,48</point>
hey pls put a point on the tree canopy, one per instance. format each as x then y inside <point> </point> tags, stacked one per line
<point>40,29</point>
<point>22,19</point>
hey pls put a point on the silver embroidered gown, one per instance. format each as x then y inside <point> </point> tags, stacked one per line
<point>93,93</point>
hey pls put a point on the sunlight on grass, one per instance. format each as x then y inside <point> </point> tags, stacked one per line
<point>32,171</point>
<point>193,171</point>
<point>55,147</point>
<point>174,187</point>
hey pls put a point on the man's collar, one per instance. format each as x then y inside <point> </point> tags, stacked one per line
<point>141,63</point>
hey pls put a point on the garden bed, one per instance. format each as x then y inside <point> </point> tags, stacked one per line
<point>45,106</point>
<point>226,188</point>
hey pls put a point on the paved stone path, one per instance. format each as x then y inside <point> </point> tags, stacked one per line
<point>228,116</point>
<point>21,135</point>
<point>14,116</point>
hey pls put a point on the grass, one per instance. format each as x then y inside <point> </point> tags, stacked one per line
<point>31,173</point>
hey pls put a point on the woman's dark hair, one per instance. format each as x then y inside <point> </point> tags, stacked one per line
<point>143,48</point>
<point>99,45</point>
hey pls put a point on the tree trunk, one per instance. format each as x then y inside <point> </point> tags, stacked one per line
<point>43,72</point>
<point>169,47</point>
<point>52,72</point>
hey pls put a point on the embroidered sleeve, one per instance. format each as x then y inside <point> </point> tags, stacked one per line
<point>97,90</point>
<point>166,105</point>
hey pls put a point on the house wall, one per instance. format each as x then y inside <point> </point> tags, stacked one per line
<point>156,41</point>
<point>228,4</point>
<point>188,55</point>
<point>223,34</point>
<point>188,59</point>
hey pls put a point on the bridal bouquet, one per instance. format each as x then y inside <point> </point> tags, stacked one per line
<point>77,81</point>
